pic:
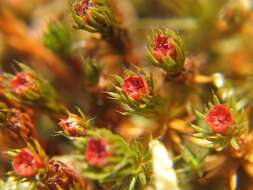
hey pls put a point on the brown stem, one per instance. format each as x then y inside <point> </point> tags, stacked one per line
<point>202,79</point>
<point>120,37</point>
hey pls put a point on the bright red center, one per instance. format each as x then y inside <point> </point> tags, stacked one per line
<point>220,119</point>
<point>22,82</point>
<point>164,47</point>
<point>70,126</point>
<point>97,152</point>
<point>83,6</point>
<point>26,164</point>
<point>136,87</point>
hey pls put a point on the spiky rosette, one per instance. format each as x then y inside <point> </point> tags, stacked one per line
<point>111,161</point>
<point>29,164</point>
<point>166,50</point>
<point>221,125</point>
<point>30,88</point>
<point>135,91</point>
<point>93,16</point>
<point>74,125</point>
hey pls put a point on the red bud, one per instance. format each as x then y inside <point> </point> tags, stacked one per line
<point>136,87</point>
<point>220,119</point>
<point>26,163</point>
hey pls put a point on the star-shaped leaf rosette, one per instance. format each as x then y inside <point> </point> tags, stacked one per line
<point>29,166</point>
<point>166,50</point>
<point>93,15</point>
<point>32,170</point>
<point>135,92</point>
<point>74,125</point>
<point>221,125</point>
<point>108,159</point>
<point>30,88</point>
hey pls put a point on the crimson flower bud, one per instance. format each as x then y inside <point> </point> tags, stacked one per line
<point>136,91</point>
<point>93,16</point>
<point>82,8</point>
<point>136,87</point>
<point>220,119</point>
<point>97,152</point>
<point>30,88</point>
<point>164,47</point>
<point>73,125</point>
<point>27,164</point>
<point>23,82</point>
<point>166,50</point>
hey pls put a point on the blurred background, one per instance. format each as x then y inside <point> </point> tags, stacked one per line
<point>218,35</point>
